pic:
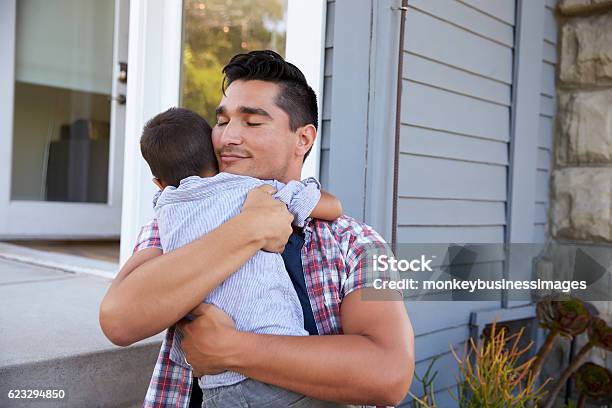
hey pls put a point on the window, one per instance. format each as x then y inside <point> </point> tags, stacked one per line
<point>64,57</point>
<point>214,31</point>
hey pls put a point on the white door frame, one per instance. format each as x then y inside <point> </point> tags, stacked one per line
<point>8,23</point>
<point>55,220</point>
<point>154,85</point>
<point>306,50</point>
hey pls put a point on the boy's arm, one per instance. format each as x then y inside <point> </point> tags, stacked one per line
<point>153,291</point>
<point>305,199</point>
<point>329,207</point>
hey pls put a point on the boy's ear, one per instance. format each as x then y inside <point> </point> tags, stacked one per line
<point>158,183</point>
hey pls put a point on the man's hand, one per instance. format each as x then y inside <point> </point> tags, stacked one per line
<point>207,339</point>
<point>371,363</point>
<point>270,216</point>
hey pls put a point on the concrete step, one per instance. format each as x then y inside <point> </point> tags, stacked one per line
<point>50,338</point>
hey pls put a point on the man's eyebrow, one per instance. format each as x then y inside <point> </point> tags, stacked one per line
<point>220,110</point>
<point>248,110</point>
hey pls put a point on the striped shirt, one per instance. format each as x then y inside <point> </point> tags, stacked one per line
<point>335,259</point>
<point>259,297</point>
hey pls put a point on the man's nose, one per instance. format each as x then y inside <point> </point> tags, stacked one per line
<point>231,134</point>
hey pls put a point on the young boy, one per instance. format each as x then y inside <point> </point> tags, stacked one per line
<point>194,198</point>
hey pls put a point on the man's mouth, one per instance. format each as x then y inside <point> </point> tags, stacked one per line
<point>231,158</point>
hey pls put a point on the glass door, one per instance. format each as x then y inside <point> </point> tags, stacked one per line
<point>62,112</point>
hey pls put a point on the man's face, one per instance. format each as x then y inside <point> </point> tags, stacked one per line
<point>252,135</point>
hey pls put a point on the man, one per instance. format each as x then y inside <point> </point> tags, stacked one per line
<point>359,352</point>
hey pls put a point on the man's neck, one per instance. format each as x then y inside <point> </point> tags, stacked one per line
<point>283,178</point>
<point>291,175</point>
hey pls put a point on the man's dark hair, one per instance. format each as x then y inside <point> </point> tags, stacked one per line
<point>177,144</point>
<point>295,96</point>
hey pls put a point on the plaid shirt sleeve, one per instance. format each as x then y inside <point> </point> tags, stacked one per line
<point>148,237</point>
<point>363,245</point>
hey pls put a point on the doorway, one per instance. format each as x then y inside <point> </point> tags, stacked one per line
<point>62,118</point>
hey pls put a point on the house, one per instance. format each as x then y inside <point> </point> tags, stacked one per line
<point>443,134</point>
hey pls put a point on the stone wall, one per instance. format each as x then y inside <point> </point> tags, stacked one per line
<point>581,185</point>
<point>581,207</point>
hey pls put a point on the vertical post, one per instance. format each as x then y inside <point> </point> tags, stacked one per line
<point>349,104</point>
<point>398,123</point>
<point>154,63</point>
<point>382,107</point>
<point>8,23</point>
<point>523,144</point>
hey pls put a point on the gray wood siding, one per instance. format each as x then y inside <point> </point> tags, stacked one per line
<point>456,120</point>
<point>459,62</point>
<point>454,154</point>
<point>546,128</point>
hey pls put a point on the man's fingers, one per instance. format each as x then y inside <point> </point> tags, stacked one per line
<point>267,189</point>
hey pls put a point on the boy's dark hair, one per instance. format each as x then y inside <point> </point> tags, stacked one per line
<point>295,96</point>
<point>177,144</point>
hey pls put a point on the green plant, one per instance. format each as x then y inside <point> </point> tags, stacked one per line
<point>594,382</point>
<point>491,375</point>
<point>427,400</point>
<point>600,335</point>
<point>566,317</point>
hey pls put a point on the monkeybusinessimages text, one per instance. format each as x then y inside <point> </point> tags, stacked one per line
<point>385,263</point>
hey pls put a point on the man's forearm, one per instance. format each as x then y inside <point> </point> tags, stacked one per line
<point>350,369</point>
<point>161,291</point>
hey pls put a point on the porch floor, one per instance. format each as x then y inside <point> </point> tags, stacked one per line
<point>51,339</point>
<point>101,250</point>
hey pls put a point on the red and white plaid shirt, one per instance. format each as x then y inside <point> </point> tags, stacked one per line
<point>335,259</point>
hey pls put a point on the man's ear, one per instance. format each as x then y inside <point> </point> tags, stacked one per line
<point>306,138</point>
<point>158,183</point>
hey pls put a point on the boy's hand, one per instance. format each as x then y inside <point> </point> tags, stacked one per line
<point>206,339</point>
<point>271,221</point>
